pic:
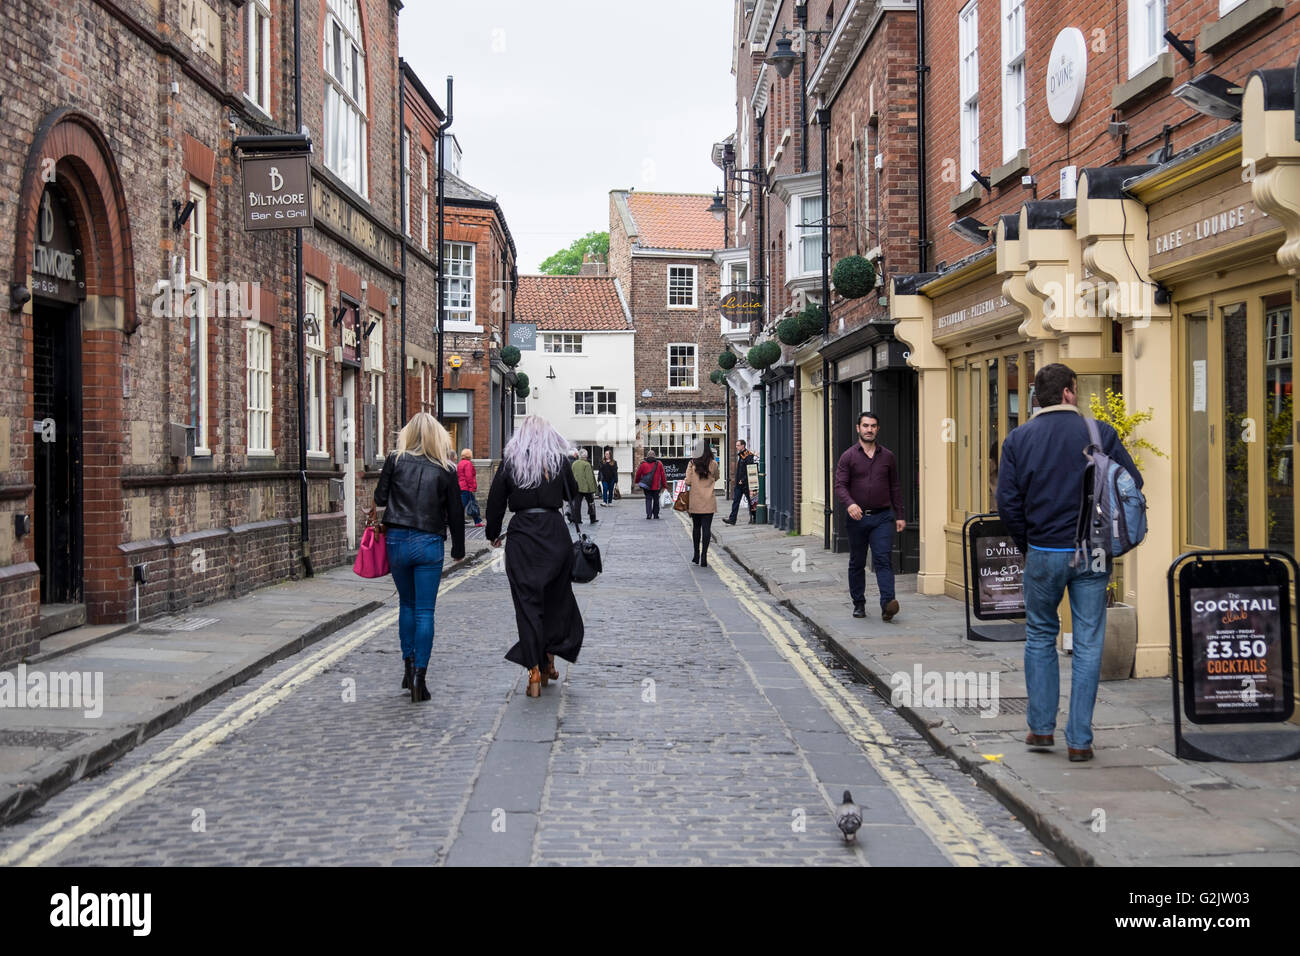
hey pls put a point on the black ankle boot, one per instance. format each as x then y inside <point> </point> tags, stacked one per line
<point>409,664</point>
<point>420,690</point>
<point>695,558</point>
<point>704,559</point>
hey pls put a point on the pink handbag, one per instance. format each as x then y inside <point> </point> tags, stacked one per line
<point>372,556</point>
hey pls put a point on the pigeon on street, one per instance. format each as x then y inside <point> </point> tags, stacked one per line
<point>849,818</point>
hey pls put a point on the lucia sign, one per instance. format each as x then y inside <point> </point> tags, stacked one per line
<point>277,192</point>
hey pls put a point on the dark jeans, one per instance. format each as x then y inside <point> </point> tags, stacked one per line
<point>415,560</point>
<point>701,529</point>
<point>652,501</point>
<point>876,531</point>
<point>607,491</point>
<point>470,505</point>
<point>742,489</point>
<point>591,503</point>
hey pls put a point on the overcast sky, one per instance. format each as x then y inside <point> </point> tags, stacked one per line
<point>559,101</point>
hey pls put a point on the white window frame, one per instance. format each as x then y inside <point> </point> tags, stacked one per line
<point>1227,6</point>
<point>669,444</point>
<point>968,105</point>
<point>600,401</point>
<point>562,343</point>
<point>1013,78</point>
<point>694,302</point>
<point>257,397</point>
<point>198,281</point>
<point>730,285</point>
<point>694,367</point>
<point>424,199</point>
<point>807,235</point>
<point>1143,47</point>
<point>460,284</point>
<point>375,358</point>
<point>258,37</point>
<point>317,370</point>
<point>345,126</point>
<point>521,404</point>
<point>406,183</point>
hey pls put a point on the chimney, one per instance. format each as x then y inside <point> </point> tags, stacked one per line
<point>592,266</point>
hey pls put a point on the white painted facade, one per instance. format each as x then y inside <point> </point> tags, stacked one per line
<point>606,363</point>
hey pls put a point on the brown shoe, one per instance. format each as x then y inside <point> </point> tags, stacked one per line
<point>1079,756</point>
<point>1040,740</point>
<point>888,611</point>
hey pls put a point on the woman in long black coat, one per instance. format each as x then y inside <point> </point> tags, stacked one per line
<point>536,481</point>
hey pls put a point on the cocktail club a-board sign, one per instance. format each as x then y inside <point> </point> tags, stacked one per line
<point>998,591</point>
<point>1232,644</point>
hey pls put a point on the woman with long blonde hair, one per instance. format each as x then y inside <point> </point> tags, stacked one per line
<point>536,480</point>
<point>420,494</point>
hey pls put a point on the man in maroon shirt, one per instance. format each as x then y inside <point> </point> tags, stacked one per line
<point>866,483</point>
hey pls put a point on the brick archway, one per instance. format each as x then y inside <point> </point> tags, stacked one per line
<point>70,147</point>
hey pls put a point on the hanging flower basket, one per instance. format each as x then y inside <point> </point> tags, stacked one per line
<point>791,331</point>
<point>510,356</point>
<point>727,360</point>
<point>716,376</point>
<point>810,320</point>
<point>854,277</point>
<point>764,354</point>
<point>521,381</point>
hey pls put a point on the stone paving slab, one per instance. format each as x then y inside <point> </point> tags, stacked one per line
<point>1157,806</point>
<point>151,681</point>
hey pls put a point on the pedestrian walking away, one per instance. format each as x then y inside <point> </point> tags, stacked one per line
<point>608,478</point>
<point>586,480</point>
<point>740,482</point>
<point>1041,486</point>
<point>701,477</point>
<point>418,491</point>
<point>467,475</point>
<point>650,478</point>
<point>866,484</point>
<point>535,482</point>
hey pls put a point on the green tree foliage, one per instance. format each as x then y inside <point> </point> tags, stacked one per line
<point>568,261</point>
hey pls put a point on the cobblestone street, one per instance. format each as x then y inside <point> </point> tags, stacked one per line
<point>700,725</point>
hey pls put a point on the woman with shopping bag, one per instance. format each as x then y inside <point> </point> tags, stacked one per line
<point>420,494</point>
<point>651,479</point>
<point>701,477</point>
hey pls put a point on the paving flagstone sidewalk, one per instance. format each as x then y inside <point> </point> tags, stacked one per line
<point>155,673</point>
<point>1135,803</point>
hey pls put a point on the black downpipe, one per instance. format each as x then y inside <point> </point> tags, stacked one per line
<point>401,158</point>
<point>824,120</point>
<point>304,533</point>
<point>442,252</point>
<point>760,122</point>
<point>922,68</point>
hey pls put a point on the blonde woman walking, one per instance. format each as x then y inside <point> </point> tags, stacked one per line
<point>420,494</point>
<point>536,482</point>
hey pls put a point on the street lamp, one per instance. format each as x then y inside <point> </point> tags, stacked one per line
<point>717,208</point>
<point>784,58</point>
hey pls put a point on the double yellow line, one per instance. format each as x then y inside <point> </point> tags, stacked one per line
<point>956,831</point>
<point>43,845</point>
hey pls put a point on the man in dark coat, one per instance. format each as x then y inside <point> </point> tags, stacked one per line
<point>866,484</point>
<point>744,458</point>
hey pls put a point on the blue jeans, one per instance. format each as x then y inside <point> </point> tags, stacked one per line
<point>470,505</point>
<point>415,560</point>
<point>1047,576</point>
<point>877,532</point>
<point>607,491</point>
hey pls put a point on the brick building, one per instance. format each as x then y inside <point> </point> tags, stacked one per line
<point>157,345</point>
<point>661,249</point>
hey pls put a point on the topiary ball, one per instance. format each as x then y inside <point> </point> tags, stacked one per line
<point>716,376</point>
<point>764,354</point>
<point>810,319</point>
<point>510,356</point>
<point>854,277</point>
<point>522,391</point>
<point>791,331</point>
<point>727,360</point>
<point>521,380</point>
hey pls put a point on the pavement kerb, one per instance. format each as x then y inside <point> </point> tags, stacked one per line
<point>1015,797</point>
<point>68,766</point>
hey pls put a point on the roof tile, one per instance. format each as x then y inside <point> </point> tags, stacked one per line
<point>674,221</point>
<point>584,303</point>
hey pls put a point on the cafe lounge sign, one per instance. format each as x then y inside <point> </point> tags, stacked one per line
<point>743,306</point>
<point>277,192</point>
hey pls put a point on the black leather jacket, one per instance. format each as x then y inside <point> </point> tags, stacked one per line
<point>421,494</point>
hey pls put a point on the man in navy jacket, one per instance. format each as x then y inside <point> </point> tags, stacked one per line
<point>1040,488</point>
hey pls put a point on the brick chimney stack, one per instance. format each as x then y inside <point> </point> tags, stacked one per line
<point>592,266</point>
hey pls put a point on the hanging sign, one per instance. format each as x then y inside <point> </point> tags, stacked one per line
<point>1067,70</point>
<point>744,306</point>
<point>277,192</point>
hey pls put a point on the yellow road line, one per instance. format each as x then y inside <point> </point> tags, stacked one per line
<point>952,827</point>
<point>117,794</point>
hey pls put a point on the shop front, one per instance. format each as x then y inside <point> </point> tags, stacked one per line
<point>779,466</point>
<point>672,435</point>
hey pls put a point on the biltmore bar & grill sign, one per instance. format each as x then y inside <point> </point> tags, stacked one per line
<point>277,192</point>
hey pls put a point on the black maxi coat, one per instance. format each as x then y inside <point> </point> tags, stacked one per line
<point>539,561</point>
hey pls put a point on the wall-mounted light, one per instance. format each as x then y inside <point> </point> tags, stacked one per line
<point>971,229</point>
<point>717,208</point>
<point>1186,48</point>
<point>19,296</point>
<point>983,180</point>
<point>182,213</point>
<point>1030,183</point>
<point>1212,95</point>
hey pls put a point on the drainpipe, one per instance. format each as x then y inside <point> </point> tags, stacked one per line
<point>760,206</point>
<point>824,121</point>
<point>401,125</point>
<point>299,339</point>
<point>442,254</point>
<point>922,68</point>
